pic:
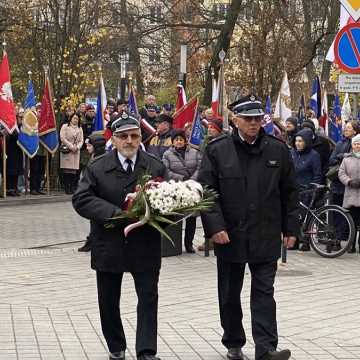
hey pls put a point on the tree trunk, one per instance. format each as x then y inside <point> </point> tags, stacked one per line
<point>223,43</point>
<point>332,26</point>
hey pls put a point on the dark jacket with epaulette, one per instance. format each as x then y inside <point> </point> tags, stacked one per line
<point>100,195</point>
<point>258,198</point>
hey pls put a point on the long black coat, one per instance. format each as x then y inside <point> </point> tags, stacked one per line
<point>257,200</point>
<point>15,157</point>
<point>100,194</point>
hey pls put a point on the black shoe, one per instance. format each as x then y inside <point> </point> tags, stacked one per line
<point>235,354</point>
<point>41,192</point>
<point>190,249</point>
<point>117,356</point>
<point>352,251</point>
<point>86,247</point>
<point>277,355</point>
<point>304,247</point>
<point>147,357</point>
<point>34,192</point>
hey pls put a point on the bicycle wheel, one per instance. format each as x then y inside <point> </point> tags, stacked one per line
<point>331,231</point>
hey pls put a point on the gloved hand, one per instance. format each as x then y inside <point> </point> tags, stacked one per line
<point>354,183</point>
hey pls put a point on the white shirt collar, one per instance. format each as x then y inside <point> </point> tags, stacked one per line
<point>242,138</point>
<point>122,160</point>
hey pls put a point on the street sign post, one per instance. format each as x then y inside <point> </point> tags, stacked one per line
<point>347,48</point>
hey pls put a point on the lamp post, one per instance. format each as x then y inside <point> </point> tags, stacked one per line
<point>124,60</point>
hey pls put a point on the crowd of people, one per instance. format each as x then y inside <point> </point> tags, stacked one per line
<point>312,152</point>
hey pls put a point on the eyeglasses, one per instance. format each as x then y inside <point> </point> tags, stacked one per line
<point>124,136</point>
<point>250,119</point>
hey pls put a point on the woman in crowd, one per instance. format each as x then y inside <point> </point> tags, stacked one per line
<point>349,175</point>
<point>183,163</point>
<point>342,147</point>
<point>306,160</point>
<point>71,136</point>
<point>307,168</point>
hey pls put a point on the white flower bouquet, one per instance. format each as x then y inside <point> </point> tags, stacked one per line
<point>157,202</point>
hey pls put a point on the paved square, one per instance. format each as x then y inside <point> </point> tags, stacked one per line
<point>48,305</point>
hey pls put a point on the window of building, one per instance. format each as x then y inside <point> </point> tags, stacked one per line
<point>221,10</point>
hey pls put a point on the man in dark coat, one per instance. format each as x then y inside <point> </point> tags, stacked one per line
<point>257,205</point>
<point>99,197</point>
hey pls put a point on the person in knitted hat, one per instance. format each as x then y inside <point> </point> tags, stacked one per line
<point>215,128</point>
<point>291,128</point>
<point>349,175</point>
<point>320,144</point>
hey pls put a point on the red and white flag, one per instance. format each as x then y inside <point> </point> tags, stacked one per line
<point>185,115</point>
<point>215,97</point>
<point>7,106</point>
<point>181,98</point>
<point>323,120</point>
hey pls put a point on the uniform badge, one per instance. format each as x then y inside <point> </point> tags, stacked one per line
<point>252,98</point>
<point>273,163</point>
<point>124,116</point>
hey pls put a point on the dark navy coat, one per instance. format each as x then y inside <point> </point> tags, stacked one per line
<point>307,162</point>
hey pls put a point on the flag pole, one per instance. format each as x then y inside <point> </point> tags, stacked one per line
<point>47,174</point>
<point>4,166</point>
<point>47,170</point>
<point>223,110</point>
<point>4,178</point>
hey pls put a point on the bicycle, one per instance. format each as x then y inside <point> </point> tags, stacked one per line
<point>329,229</point>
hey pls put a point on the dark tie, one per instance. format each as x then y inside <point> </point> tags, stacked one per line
<point>129,167</point>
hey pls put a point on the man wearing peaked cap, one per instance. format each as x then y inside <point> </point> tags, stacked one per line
<point>100,196</point>
<point>257,207</point>
<point>247,106</point>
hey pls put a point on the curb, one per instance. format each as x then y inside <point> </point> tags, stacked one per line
<point>34,200</point>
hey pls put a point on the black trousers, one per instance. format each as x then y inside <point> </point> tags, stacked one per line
<point>355,214</point>
<point>37,170</point>
<point>190,229</point>
<point>262,305</point>
<point>12,182</point>
<point>70,182</point>
<point>109,292</point>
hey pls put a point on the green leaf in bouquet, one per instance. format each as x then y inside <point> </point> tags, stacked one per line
<point>163,219</point>
<point>156,226</point>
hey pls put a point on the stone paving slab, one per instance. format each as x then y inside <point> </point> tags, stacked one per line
<point>48,304</point>
<point>48,308</point>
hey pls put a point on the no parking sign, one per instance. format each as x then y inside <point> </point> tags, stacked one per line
<point>347,48</point>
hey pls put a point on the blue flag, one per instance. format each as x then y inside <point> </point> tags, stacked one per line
<point>132,105</point>
<point>268,124</point>
<point>197,133</point>
<point>99,119</point>
<point>30,101</point>
<point>100,107</point>
<point>334,128</point>
<point>28,139</point>
<point>315,99</point>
